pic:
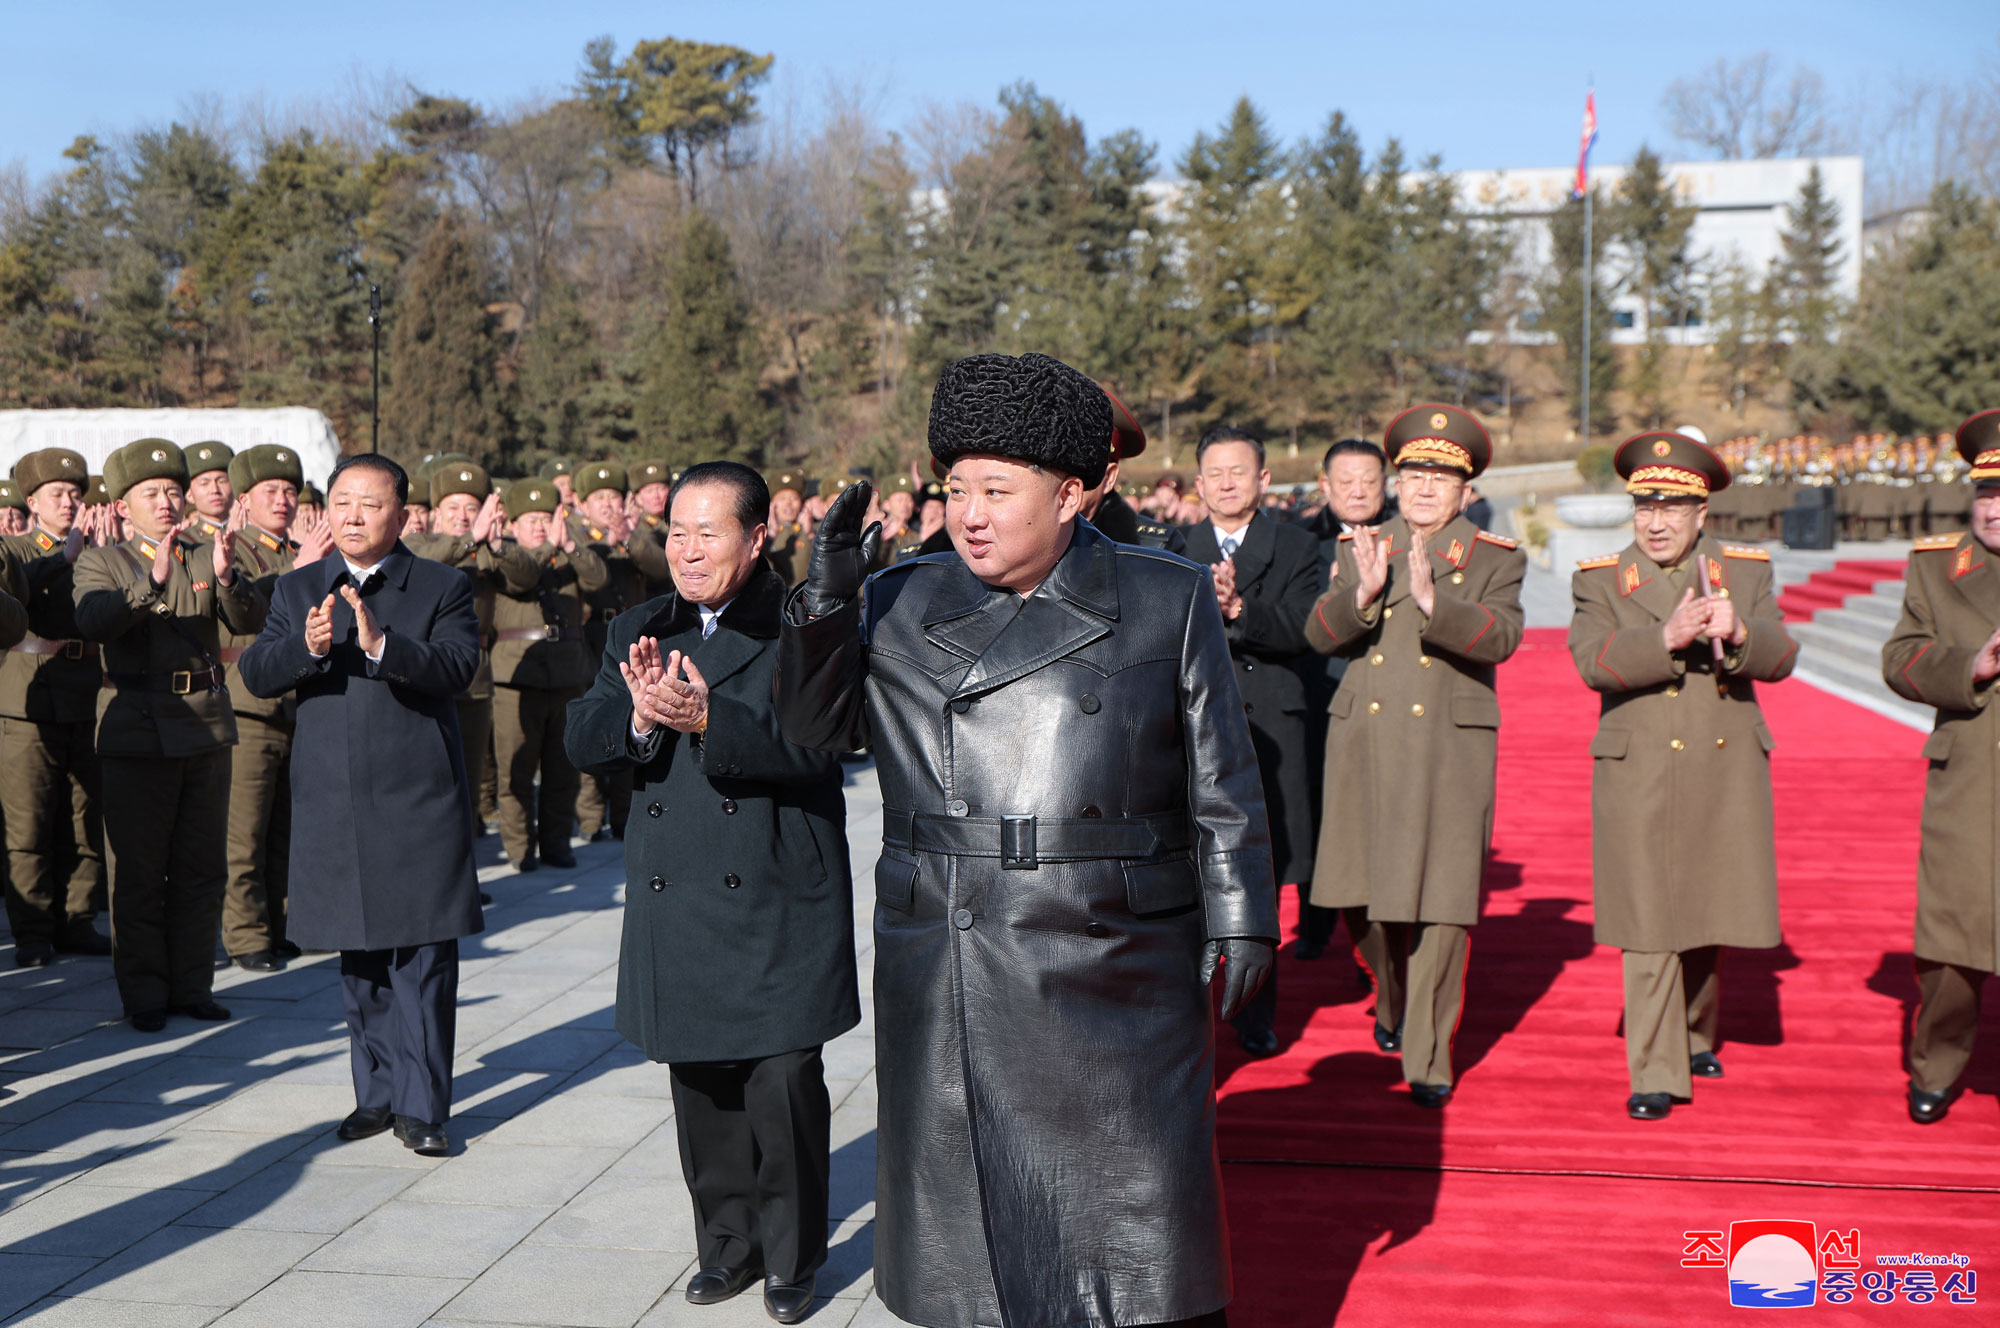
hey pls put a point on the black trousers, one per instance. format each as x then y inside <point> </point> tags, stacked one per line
<point>402,1019</point>
<point>754,1138</point>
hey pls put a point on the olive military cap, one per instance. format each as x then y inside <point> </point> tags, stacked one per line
<point>594,475</point>
<point>146,459</point>
<point>35,469</point>
<point>202,457</point>
<point>1979,443</point>
<point>1658,464</point>
<point>459,477</point>
<point>266,461</point>
<point>10,496</point>
<point>648,472</point>
<point>553,467</point>
<point>1441,437</point>
<point>94,493</point>
<point>531,496</point>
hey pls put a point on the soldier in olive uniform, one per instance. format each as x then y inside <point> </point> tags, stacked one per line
<point>647,512</point>
<point>468,532</point>
<point>210,495</point>
<point>1425,612</point>
<point>269,478</point>
<point>790,538</point>
<point>1676,632</point>
<point>48,746</point>
<point>1945,652</point>
<point>155,602</point>
<point>633,562</point>
<point>13,510</point>
<point>559,471</point>
<point>540,665</point>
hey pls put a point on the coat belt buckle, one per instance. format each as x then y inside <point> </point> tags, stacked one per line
<point>72,650</point>
<point>1017,844</point>
<point>552,631</point>
<point>182,682</point>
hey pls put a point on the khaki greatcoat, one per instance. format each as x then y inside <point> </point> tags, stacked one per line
<point>1681,817</point>
<point>1413,732</point>
<point>1951,606</point>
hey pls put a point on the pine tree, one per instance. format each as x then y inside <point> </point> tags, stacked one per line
<point>1652,229</point>
<point>442,396</point>
<point>1810,263</point>
<point>698,396</point>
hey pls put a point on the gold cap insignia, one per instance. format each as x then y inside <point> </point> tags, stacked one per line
<point>465,474</point>
<point>283,457</point>
<point>1661,447</point>
<point>158,455</point>
<point>1439,420</point>
<point>68,464</point>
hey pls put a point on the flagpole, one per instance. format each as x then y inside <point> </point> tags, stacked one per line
<point>1583,423</point>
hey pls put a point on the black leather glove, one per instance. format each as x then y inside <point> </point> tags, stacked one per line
<point>842,552</point>
<point>1245,965</point>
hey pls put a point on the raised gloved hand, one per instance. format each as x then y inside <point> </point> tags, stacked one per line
<point>1245,965</point>
<point>842,552</point>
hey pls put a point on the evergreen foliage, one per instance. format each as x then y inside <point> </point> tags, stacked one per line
<point>442,394</point>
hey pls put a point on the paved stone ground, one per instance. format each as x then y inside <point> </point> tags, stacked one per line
<point>192,1177</point>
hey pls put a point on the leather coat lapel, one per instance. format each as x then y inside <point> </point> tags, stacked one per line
<point>1046,628</point>
<point>1006,638</point>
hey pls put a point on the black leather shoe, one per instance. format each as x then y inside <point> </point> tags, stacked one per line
<point>286,950</point>
<point>1388,1041</point>
<point>260,961</point>
<point>33,954</point>
<point>788,1302</point>
<point>206,1011</point>
<point>485,900</point>
<point>602,835</point>
<point>1259,1043</point>
<point>528,864</point>
<point>1648,1106</point>
<point>1308,950</point>
<point>421,1137</point>
<point>80,938</point>
<point>1430,1095</point>
<point>1928,1108</point>
<point>562,862</point>
<point>712,1286</point>
<point>149,1021</point>
<point>364,1123</point>
<point>1703,1065</point>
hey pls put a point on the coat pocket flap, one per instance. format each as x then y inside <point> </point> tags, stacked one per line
<point>1764,738</point>
<point>1475,712</point>
<point>1937,747</point>
<point>1161,887</point>
<point>895,883</point>
<point>1341,705</point>
<point>1613,743</point>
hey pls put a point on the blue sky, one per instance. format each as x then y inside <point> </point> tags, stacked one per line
<point>1484,84</point>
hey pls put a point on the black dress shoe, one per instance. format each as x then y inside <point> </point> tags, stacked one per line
<point>712,1286</point>
<point>149,1021</point>
<point>206,1011</point>
<point>528,864</point>
<point>33,954</point>
<point>1928,1108</point>
<point>1308,950</point>
<point>788,1302</point>
<point>562,861</point>
<point>1648,1106</point>
<point>80,938</point>
<point>421,1137</point>
<point>1703,1065</point>
<point>364,1123</point>
<point>485,900</point>
<point>1259,1043</point>
<point>260,961</point>
<point>1389,1041</point>
<point>1430,1095</point>
<point>286,950</point>
<point>602,835</point>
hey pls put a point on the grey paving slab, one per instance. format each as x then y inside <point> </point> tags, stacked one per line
<point>874,1314</point>
<point>624,1212</point>
<point>195,1160</point>
<point>196,1266</point>
<point>545,1049</point>
<point>277,1109</point>
<point>583,1288</point>
<point>70,1312</point>
<point>88,1219</point>
<point>343,1300</point>
<point>655,1157</point>
<point>265,1040</point>
<point>590,1122</point>
<point>37,1095</point>
<point>522,1174</point>
<point>191,1081</point>
<point>850,1260</point>
<point>99,997</point>
<point>427,1240</point>
<point>89,1127</point>
<point>622,1071</point>
<point>744,1311</point>
<point>26,1278</point>
<point>299,1196</point>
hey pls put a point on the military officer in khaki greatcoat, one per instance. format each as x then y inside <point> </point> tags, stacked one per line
<point>540,664</point>
<point>1676,632</point>
<point>1945,652</point>
<point>48,716</point>
<point>164,730</point>
<point>1423,607</point>
<point>267,479</point>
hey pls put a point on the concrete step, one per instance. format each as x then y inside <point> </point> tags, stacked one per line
<point>1862,682</point>
<point>1857,650</point>
<point>1886,603</point>
<point>1864,625</point>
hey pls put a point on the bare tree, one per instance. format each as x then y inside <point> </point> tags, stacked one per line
<point>1744,109</point>
<point>528,173</point>
<point>1923,133</point>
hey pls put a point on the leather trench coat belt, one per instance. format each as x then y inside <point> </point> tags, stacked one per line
<point>1074,807</point>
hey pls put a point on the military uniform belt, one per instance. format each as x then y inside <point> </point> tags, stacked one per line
<point>37,645</point>
<point>179,683</point>
<point>1023,843</point>
<point>546,632</point>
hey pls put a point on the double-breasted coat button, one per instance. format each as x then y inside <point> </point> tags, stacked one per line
<point>962,919</point>
<point>1673,690</point>
<point>956,807</point>
<point>1722,742</point>
<point>962,704</point>
<point>1458,578</point>
<point>1388,613</point>
<point>1249,666</point>
<point>1424,660</point>
<point>1676,744</point>
<point>1091,812</point>
<point>729,806</point>
<point>1375,659</point>
<point>1418,710</point>
<point>1087,703</point>
<point>1249,709</point>
<point>1374,707</point>
<point>657,884</point>
<point>732,880</point>
<point>655,810</point>
<point>1097,929</point>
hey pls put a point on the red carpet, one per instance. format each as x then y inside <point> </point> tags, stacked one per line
<point>1830,589</point>
<point>1532,1197</point>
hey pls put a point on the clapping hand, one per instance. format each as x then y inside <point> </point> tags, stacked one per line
<point>319,628</point>
<point>1422,588</point>
<point>680,698</point>
<point>163,553</point>
<point>1986,664</point>
<point>1371,566</point>
<point>314,534</point>
<point>643,671</point>
<point>366,631</point>
<point>1226,598</point>
<point>1690,620</point>
<point>490,520</point>
<point>1725,624</point>
<point>224,550</point>
<point>565,537</point>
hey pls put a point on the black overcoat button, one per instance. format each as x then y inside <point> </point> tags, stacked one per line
<point>1097,929</point>
<point>729,806</point>
<point>657,884</point>
<point>962,704</point>
<point>732,880</point>
<point>956,807</point>
<point>1088,703</point>
<point>1092,811</point>
<point>655,810</point>
<point>962,919</point>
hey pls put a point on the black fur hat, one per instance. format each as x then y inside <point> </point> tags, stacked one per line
<point>1031,408</point>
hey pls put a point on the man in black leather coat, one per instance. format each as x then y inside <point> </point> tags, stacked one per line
<point>1074,837</point>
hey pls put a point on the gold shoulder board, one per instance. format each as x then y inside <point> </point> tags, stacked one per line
<point>1592,564</point>
<point>1932,543</point>
<point>1746,551</point>
<point>1501,540</point>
